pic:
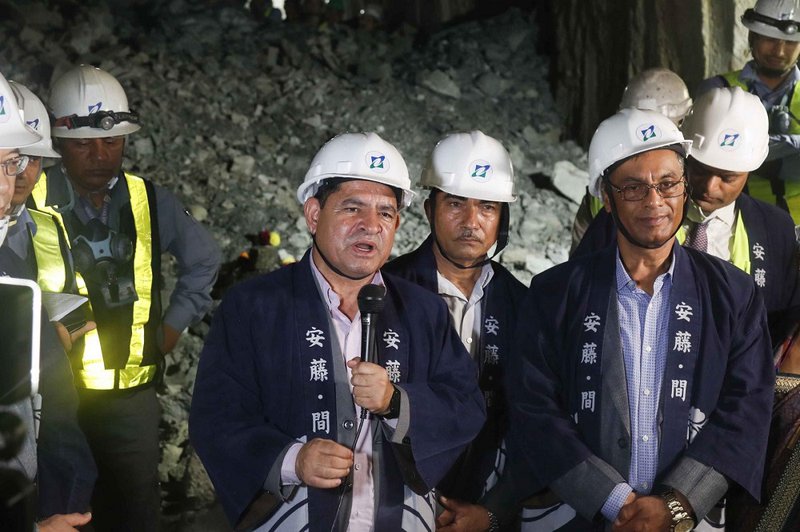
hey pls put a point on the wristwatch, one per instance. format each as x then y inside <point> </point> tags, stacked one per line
<point>394,405</point>
<point>681,520</point>
<point>494,524</point>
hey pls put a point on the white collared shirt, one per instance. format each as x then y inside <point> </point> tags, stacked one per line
<point>466,313</point>
<point>721,225</point>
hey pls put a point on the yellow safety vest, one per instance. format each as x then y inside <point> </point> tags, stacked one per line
<point>757,186</point>
<point>91,372</point>
<point>53,271</point>
<point>595,205</point>
<point>740,250</point>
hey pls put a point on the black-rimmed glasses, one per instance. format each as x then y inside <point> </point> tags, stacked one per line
<point>638,191</point>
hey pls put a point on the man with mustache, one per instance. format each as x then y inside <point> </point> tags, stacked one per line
<point>772,75</point>
<point>282,388</point>
<point>119,225</point>
<point>471,183</point>
<point>640,386</point>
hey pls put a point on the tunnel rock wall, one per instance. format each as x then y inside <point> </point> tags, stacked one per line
<point>597,46</point>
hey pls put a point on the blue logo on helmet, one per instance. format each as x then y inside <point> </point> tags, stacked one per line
<point>376,161</point>
<point>34,124</point>
<point>2,105</point>
<point>96,107</point>
<point>729,140</point>
<point>480,170</point>
<point>648,133</point>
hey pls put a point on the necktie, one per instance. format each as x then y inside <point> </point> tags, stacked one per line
<point>698,237</point>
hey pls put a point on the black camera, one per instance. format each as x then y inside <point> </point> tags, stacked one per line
<point>780,120</point>
<point>103,257</point>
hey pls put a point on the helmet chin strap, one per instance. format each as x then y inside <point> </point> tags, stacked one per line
<point>4,223</point>
<point>330,265</point>
<point>624,230</point>
<point>502,239</point>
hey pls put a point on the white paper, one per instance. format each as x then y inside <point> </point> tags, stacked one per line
<point>59,305</point>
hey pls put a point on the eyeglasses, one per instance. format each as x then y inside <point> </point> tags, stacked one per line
<point>14,167</point>
<point>789,27</point>
<point>638,191</point>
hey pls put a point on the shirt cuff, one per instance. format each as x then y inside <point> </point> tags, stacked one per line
<point>615,501</point>
<point>288,471</point>
<point>178,318</point>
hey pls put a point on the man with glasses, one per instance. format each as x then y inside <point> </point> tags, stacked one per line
<point>729,129</point>
<point>641,383</point>
<point>54,452</point>
<point>772,75</point>
<point>119,225</point>
<point>38,237</point>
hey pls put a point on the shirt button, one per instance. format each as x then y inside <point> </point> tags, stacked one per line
<point>645,438</point>
<point>469,340</point>
<point>347,424</point>
<point>358,467</point>
<point>644,485</point>
<point>647,391</point>
<point>648,348</point>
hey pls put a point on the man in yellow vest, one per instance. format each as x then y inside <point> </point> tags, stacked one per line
<point>728,128</point>
<point>38,237</point>
<point>119,225</point>
<point>772,75</point>
<point>54,452</point>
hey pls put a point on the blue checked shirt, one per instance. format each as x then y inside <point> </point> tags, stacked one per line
<point>643,325</point>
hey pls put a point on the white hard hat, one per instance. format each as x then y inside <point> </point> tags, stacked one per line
<point>779,19</point>
<point>357,156</point>
<point>471,165</point>
<point>627,133</point>
<point>36,118</point>
<point>660,90</point>
<point>90,103</point>
<point>14,133</point>
<point>729,130</point>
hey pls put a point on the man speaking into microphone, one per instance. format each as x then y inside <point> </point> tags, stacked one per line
<point>283,377</point>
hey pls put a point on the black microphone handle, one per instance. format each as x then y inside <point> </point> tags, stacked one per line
<point>368,337</point>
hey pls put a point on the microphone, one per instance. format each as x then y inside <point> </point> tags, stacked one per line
<point>370,304</point>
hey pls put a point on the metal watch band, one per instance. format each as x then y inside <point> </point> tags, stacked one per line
<point>494,524</point>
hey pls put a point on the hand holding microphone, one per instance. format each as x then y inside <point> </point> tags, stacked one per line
<point>372,389</point>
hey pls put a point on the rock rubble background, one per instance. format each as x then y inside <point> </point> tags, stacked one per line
<point>234,110</point>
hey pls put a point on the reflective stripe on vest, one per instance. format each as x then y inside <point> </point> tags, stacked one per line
<point>760,187</point>
<point>94,375</point>
<point>39,193</point>
<point>732,79</point>
<point>39,196</point>
<point>740,250</point>
<point>595,205</point>
<point>52,270</point>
